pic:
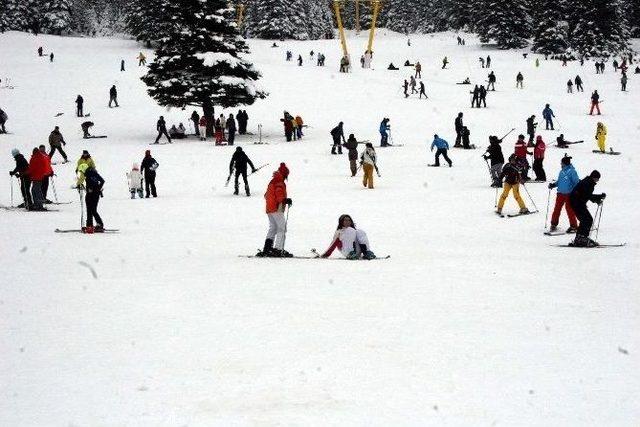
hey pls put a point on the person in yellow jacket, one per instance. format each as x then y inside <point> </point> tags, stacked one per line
<point>601,136</point>
<point>142,60</point>
<point>85,159</point>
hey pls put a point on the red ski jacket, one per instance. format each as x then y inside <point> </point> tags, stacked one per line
<point>276,192</point>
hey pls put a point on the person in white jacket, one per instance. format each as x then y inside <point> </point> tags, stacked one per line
<point>368,161</point>
<point>351,242</point>
<point>135,181</point>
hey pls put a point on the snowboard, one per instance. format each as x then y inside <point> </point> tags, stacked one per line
<point>610,152</point>
<point>557,233</point>
<point>76,230</point>
<point>95,137</point>
<point>58,115</point>
<point>389,146</point>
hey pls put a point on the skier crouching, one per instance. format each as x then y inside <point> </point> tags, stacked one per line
<point>351,242</point>
<point>581,194</point>
<point>276,200</point>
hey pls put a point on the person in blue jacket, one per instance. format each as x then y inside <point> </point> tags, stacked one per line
<point>547,115</point>
<point>567,180</point>
<point>384,135</point>
<point>442,148</point>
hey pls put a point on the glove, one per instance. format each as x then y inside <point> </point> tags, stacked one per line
<point>552,185</point>
<point>253,170</point>
<point>288,201</point>
<point>12,173</point>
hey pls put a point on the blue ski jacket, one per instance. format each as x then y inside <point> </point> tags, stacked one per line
<point>567,179</point>
<point>440,143</point>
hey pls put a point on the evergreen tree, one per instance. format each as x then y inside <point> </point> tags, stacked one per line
<point>551,28</point>
<point>506,22</point>
<point>320,20</point>
<point>57,17</point>
<point>459,14</point>
<point>14,13</point>
<point>148,21</point>
<point>272,20</point>
<point>200,62</point>
<point>400,15</point>
<point>598,28</point>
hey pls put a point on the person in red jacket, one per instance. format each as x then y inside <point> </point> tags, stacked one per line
<point>45,181</point>
<point>38,169</point>
<point>521,157</point>
<point>276,200</point>
<point>538,158</point>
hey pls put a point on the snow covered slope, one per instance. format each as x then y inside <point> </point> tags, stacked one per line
<point>475,320</point>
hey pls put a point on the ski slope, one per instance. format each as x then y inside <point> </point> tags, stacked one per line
<point>475,320</point>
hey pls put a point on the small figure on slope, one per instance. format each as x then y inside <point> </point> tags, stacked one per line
<point>547,115</point>
<point>368,161</point>
<point>56,141</point>
<point>352,151</point>
<point>458,124</point>
<point>89,178</point>
<point>350,241</point>
<point>113,96</point>
<point>135,181</point>
<point>567,180</point>
<point>538,159</point>
<point>442,147</point>
<point>511,176</point>
<point>239,162</point>
<point>337,134</point>
<point>276,203</point>
<point>384,132</point>
<point>494,154</point>
<point>161,127</point>
<point>595,102</point>
<point>21,171</point>
<point>148,168</point>
<point>601,136</point>
<point>580,195</point>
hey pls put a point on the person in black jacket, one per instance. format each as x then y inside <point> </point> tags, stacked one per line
<point>148,168</point>
<point>161,127</point>
<point>242,118</point>
<point>337,133</point>
<point>93,184</point>
<point>239,162</point>
<point>531,129</point>
<point>475,100</point>
<point>231,129</point>
<point>494,154</point>
<point>483,96</point>
<point>458,125</point>
<point>352,151</point>
<point>21,172</point>
<point>512,177</point>
<point>581,194</point>
<point>113,96</point>
<point>195,118</point>
<point>79,104</point>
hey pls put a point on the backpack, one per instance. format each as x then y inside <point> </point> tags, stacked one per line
<point>154,165</point>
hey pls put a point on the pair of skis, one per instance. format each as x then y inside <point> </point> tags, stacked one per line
<point>75,230</point>
<point>315,255</point>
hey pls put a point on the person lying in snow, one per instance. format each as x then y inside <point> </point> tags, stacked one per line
<point>351,242</point>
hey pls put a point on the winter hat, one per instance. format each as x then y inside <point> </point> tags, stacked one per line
<point>595,174</point>
<point>15,152</point>
<point>85,153</point>
<point>238,148</point>
<point>566,160</point>
<point>147,153</point>
<point>135,167</point>
<point>284,170</point>
<point>539,138</point>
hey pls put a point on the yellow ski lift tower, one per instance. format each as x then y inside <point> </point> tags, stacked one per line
<point>375,8</point>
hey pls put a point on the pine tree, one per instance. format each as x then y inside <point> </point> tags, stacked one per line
<point>320,20</point>
<point>551,29</point>
<point>200,62</point>
<point>15,13</point>
<point>400,15</point>
<point>598,28</point>
<point>506,22</point>
<point>459,14</point>
<point>272,20</point>
<point>148,21</point>
<point>57,17</point>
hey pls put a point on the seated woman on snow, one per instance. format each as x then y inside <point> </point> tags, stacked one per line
<point>352,243</point>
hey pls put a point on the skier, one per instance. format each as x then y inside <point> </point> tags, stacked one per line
<point>344,64</point>
<point>413,85</point>
<point>418,70</point>
<point>48,174</point>
<point>299,60</point>
<point>601,136</point>
<point>538,159</point>
<point>405,85</point>
<point>519,80</point>
<point>511,176</point>
<point>521,156</point>
<point>79,104</point>
<point>570,86</point>
<point>242,118</point>
<point>51,57</point>
<point>595,102</point>
<point>56,141</point>
<point>494,154</point>
<point>288,127</point>
<point>481,59</point>
<point>483,97</point>
<point>475,100</point>
<point>294,127</point>
<point>368,161</point>
<point>492,81</point>
<point>231,129</point>
<point>239,162</point>
<point>222,126</point>
<point>122,65</point>
<point>40,51</point>
<point>202,125</point>
<point>458,126</point>
<point>580,195</point>
<point>578,82</point>
<point>38,169</point>
<point>351,242</point>
<point>85,126</point>
<point>567,180</point>
<point>548,116</point>
<point>195,118</point>
<point>276,200</point>
<point>85,159</point>
<point>384,134</point>
<point>623,82</point>
<point>352,151</point>
<point>135,181</point>
<point>445,61</point>
<point>142,60</point>
<point>148,168</point>
<point>22,172</point>
<point>465,138</point>
<point>531,129</point>
<point>3,120</point>
<point>488,61</point>
<point>161,127</point>
<point>88,177</point>
<point>562,143</point>
<point>422,91</point>
<point>337,133</point>
<point>442,148</point>
<point>299,126</point>
<point>113,96</point>
<point>615,65</point>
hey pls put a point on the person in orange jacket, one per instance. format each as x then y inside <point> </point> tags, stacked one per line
<point>538,158</point>
<point>299,124</point>
<point>38,169</point>
<point>49,174</point>
<point>276,200</point>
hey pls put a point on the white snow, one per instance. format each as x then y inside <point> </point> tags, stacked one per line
<point>474,321</point>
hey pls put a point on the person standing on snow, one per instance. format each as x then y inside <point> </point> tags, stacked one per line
<point>337,133</point>
<point>231,129</point>
<point>623,82</point>
<point>511,176</point>
<point>368,161</point>
<point>89,178</point>
<point>22,172</point>
<point>595,102</point>
<point>483,97</point>
<point>422,91</point>
<point>418,70</point>
<point>202,125</point>
<point>276,202</point>
<point>351,242</point>
<point>458,126</point>
<point>352,151</point>
<point>492,81</point>
<point>521,152</point>
<point>578,82</point>
<point>142,60</point>
<point>38,169</point>
<point>161,127</point>
<point>538,159</point>
<point>384,134</point>
<point>79,106</point>
<point>601,136</point>
<point>48,175</point>
<point>494,154</point>
<point>148,168</point>
<point>239,162</point>
<point>567,180</point>
<point>113,96</point>
<point>531,129</point>
<point>56,141</point>
<point>547,115</point>
<point>580,195</point>
<point>288,126</point>
<point>475,100</point>
<point>442,148</point>
<point>135,181</point>
<point>519,80</point>
<point>570,86</point>
<point>195,118</point>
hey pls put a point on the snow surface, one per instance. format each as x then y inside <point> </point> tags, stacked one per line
<point>474,321</point>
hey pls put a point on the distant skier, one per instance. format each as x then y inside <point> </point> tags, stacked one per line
<point>288,125</point>
<point>202,126</point>
<point>623,82</point>
<point>135,181</point>
<point>601,136</point>
<point>195,118</point>
<point>122,65</point>
<point>418,68</point>
<point>578,82</point>
<point>276,202</point>
<point>56,141</point>
<point>40,51</point>
<point>483,97</point>
<point>231,129</point>
<point>85,126</point>
<point>466,133</point>
<point>243,119</point>
<point>442,147</point>
<point>239,162</point>
<point>113,96</point>
<point>562,143</point>
<point>352,151</point>
<point>547,115</point>
<point>494,154</point>
<point>422,91</point>
<point>405,86</point>
<point>595,102</point>
<point>412,83</point>
<point>567,180</point>
<point>22,172</point>
<point>458,124</point>
<point>488,61</point>
<point>492,81</point>
<point>531,129</point>
<point>89,178</point>
<point>580,195</point>
<point>299,60</point>
<point>520,151</point>
<point>511,176</point>
<point>79,106</point>
<point>49,172</point>
<point>384,132</point>
<point>570,86</point>
<point>142,60</point>
<point>299,126</point>
<point>51,57</point>
<point>475,100</point>
<point>161,127</point>
<point>538,159</point>
<point>351,242</point>
<point>519,80</point>
<point>445,61</point>
<point>3,119</point>
<point>337,133</point>
<point>148,168</point>
<point>38,169</point>
<point>369,163</point>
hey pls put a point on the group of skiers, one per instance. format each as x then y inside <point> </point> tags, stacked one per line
<point>292,126</point>
<point>411,83</point>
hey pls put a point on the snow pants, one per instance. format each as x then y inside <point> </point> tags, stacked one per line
<point>36,194</point>
<point>150,183</point>
<point>336,145</point>
<point>231,137</point>
<point>353,166</point>
<point>548,122</point>
<point>161,132</point>
<point>442,152</point>
<point>91,200</point>
<point>384,139</point>
<point>584,216</point>
<point>79,112</point>
<point>113,99</point>
<point>25,189</point>
<point>352,239</point>
<point>367,179</point>
<point>242,173</point>
<point>595,105</point>
<point>203,132</point>
<point>277,229</point>
<point>52,151</point>
<point>516,195</point>
<point>495,173</point>
<point>563,200</point>
<point>601,143</point>
<point>538,169</point>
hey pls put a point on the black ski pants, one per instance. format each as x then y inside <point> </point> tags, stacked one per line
<point>79,112</point>
<point>25,189</point>
<point>583,215</point>
<point>45,186</point>
<point>242,173</point>
<point>538,169</point>
<point>442,152</point>
<point>162,131</point>
<point>336,145</point>
<point>458,138</point>
<point>231,137</point>
<point>53,149</point>
<point>91,200</point>
<point>150,183</point>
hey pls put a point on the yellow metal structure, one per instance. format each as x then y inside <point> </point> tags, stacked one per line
<point>240,13</point>
<point>374,18</point>
<point>343,39</point>
<point>375,6</point>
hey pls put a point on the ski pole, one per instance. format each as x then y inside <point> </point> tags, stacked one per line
<point>507,134</point>
<point>488,167</point>
<point>81,208</point>
<point>229,178</point>
<point>599,218</point>
<point>53,186</point>
<point>11,190</point>
<point>530,198</point>
<point>595,218</point>
<point>495,203</point>
<point>259,167</point>
<point>547,216</point>
<point>286,222</point>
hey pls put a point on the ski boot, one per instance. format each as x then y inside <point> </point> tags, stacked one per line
<point>88,230</point>
<point>571,230</point>
<point>554,228</point>
<point>366,253</point>
<point>47,202</point>
<point>246,190</point>
<point>99,228</point>
<point>353,255</point>
<point>524,211</point>
<point>267,249</point>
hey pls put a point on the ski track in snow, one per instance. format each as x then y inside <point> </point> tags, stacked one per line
<point>474,321</point>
